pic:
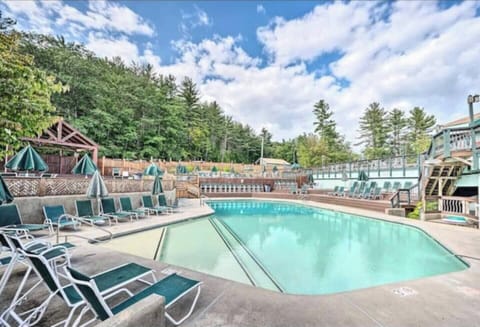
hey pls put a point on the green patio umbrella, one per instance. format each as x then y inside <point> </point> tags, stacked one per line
<point>84,166</point>
<point>362,176</point>
<point>96,188</point>
<point>157,185</point>
<point>181,169</point>
<point>214,169</point>
<point>153,170</point>
<point>27,159</point>
<point>5,195</point>
<point>274,169</point>
<point>310,179</point>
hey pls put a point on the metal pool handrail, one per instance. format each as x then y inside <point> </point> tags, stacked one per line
<point>254,258</point>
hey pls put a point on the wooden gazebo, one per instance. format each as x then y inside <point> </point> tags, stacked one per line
<point>64,136</point>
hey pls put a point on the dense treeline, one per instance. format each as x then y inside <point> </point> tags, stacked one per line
<point>134,113</point>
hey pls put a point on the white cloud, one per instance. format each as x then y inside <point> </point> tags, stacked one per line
<point>45,16</point>
<point>402,54</point>
<point>192,20</point>
<point>261,9</point>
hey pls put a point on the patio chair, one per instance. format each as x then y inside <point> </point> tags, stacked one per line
<point>148,205</point>
<point>352,188</point>
<point>109,283</point>
<point>172,287</point>
<point>386,187</point>
<point>359,191</point>
<point>56,216</point>
<point>335,190</point>
<point>126,206</point>
<point>340,191</point>
<point>108,209</point>
<point>376,194</point>
<point>162,201</point>
<point>10,219</point>
<point>13,243</point>
<point>85,214</point>
<point>407,185</point>
<point>366,192</point>
<point>395,187</point>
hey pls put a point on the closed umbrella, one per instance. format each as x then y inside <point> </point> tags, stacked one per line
<point>153,170</point>
<point>157,185</point>
<point>5,195</point>
<point>295,166</point>
<point>362,176</point>
<point>214,169</point>
<point>96,188</point>
<point>84,166</point>
<point>27,159</point>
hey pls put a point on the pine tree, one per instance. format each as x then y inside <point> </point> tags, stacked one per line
<point>325,126</point>
<point>420,126</point>
<point>397,123</point>
<point>374,131</point>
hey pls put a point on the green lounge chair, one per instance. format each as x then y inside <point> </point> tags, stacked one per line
<point>386,187</point>
<point>395,187</point>
<point>56,216</point>
<point>110,283</point>
<point>126,206</point>
<point>340,191</point>
<point>10,219</point>
<point>148,205</point>
<point>366,191</point>
<point>359,191</point>
<point>108,209</point>
<point>162,202</point>
<point>172,287</point>
<point>85,214</point>
<point>14,245</point>
<point>376,194</point>
<point>335,190</point>
<point>407,185</point>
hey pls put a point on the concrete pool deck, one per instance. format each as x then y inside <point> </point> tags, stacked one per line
<point>446,300</point>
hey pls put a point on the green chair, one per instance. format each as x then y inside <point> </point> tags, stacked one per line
<point>395,187</point>
<point>367,191</point>
<point>56,216</point>
<point>126,206</point>
<point>335,190</point>
<point>386,187</point>
<point>376,194</point>
<point>359,191</point>
<point>407,185</point>
<point>85,214</point>
<point>148,205</point>
<point>108,209</point>
<point>172,287</point>
<point>162,202</point>
<point>340,191</point>
<point>10,219</point>
<point>110,283</point>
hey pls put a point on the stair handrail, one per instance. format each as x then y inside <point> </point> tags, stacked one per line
<point>395,197</point>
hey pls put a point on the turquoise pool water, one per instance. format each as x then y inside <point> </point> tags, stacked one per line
<point>302,250</point>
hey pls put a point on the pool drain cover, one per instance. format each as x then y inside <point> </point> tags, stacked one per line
<point>404,291</point>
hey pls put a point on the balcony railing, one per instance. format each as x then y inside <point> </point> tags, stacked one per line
<point>458,205</point>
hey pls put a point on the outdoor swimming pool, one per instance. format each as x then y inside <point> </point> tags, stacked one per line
<point>294,248</point>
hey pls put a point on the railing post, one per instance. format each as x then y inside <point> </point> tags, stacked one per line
<point>350,169</point>
<point>474,149</point>
<point>446,143</point>
<point>390,163</point>
<point>404,165</point>
<point>378,168</point>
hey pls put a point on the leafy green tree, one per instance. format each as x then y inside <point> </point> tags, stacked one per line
<point>374,131</point>
<point>397,123</point>
<point>420,126</point>
<point>311,150</point>
<point>25,92</point>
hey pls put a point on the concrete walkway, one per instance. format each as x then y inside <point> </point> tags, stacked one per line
<point>447,300</point>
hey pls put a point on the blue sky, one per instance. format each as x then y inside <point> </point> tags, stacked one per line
<point>266,63</point>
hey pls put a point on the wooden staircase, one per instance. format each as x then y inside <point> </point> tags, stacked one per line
<point>442,175</point>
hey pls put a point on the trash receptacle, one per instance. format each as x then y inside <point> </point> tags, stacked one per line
<point>266,188</point>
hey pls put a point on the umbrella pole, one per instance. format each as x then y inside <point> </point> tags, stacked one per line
<point>98,205</point>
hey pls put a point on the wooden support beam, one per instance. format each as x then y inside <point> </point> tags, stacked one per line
<point>69,136</point>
